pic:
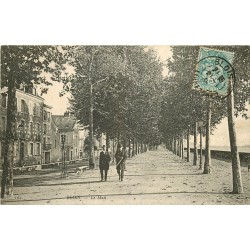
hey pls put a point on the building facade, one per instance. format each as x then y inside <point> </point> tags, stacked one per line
<point>47,132</point>
<point>29,118</point>
<point>74,135</point>
<point>38,132</point>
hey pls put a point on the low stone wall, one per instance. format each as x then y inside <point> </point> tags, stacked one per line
<point>218,154</point>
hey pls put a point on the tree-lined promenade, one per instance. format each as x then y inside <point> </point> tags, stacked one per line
<point>120,91</point>
<point>153,177</point>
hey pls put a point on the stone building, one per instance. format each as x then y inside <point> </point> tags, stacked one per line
<point>28,126</point>
<point>74,132</point>
<point>47,131</point>
<point>38,132</point>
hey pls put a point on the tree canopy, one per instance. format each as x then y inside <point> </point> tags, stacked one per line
<point>182,105</point>
<point>127,89</point>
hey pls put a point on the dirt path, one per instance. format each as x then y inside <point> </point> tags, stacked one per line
<point>155,177</point>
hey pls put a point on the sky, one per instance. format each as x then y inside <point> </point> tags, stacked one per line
<point>220,135</point>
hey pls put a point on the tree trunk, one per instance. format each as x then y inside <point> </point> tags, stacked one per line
<point>129,148</point>
<point>91,145</point>
<point>175,146</point>
<point>195,145</point>
<point>236,169</point>
<point>107,141</point>
<point>113,160</point>
<point>182,148</point>
<point>136,147</point>
<point>207,164</point>
<point>188,146</point>
<point>178,147</point>
<point>133,151</point>
<point>7,177</point>
<point>200,148</point>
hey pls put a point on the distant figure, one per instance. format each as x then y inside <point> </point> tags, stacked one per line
<point>104,163</point>
<point>120,158</point>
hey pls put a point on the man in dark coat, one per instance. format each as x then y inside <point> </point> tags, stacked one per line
<point>120,158</point>
<point>104,161</point>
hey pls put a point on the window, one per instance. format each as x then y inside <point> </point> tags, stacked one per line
<point>31,149</point>
<point>44,129</point>
<point>21,129</point>
<point>48,114</point>
<point>44,140</point>
<point>31,128</point>
<point>38,128</point>
<point>4,100</point>
<point>22,106</point>
<point>45,115</point>
<point>3,123</point>
<point>63,139</point>
<point>37,110</point>
<point>38,149</point>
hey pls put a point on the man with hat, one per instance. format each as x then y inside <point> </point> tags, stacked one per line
<point>104,161</point>
<point>120,158</point>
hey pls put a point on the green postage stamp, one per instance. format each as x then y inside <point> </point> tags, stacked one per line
<point>213,71</point>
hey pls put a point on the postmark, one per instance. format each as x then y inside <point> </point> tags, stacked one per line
<point>214,70</point>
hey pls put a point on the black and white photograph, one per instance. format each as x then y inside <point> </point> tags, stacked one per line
<point>125,125</point>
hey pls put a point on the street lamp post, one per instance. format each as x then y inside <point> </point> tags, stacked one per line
<point>64,170</point>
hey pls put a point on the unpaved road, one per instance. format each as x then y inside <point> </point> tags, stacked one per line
<point>154,177</point>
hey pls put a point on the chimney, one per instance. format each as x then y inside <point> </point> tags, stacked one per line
<point>66,114</point>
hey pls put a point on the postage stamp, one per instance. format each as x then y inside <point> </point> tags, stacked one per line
<point>213,71</point>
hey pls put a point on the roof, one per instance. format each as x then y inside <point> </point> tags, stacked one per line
<point>64,124</point>
<point>47,106</point>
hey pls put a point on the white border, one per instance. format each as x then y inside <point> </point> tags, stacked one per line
<point>135,23</point>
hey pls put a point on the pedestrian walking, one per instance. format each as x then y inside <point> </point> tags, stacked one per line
<point>104,161</point>
<point>120,158</point>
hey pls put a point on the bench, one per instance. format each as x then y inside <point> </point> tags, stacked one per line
<point>31,168</point>
<point>81,169</point>
<point>24,168</point>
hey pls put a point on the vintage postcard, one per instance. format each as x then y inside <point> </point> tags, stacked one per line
<point>125,125</point>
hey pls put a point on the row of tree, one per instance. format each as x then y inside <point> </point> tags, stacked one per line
<point>184,108</point>
<point>115,90</point>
